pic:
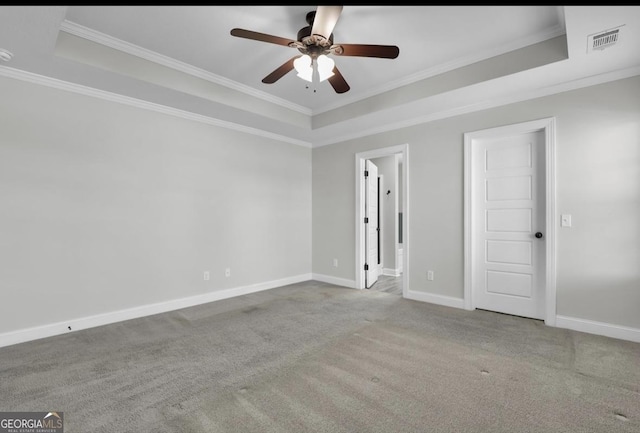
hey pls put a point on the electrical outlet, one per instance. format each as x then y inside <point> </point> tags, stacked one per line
<point>227,272</point>
<point>206,275</point>
<point>430,275</point>
<point>335,263</point>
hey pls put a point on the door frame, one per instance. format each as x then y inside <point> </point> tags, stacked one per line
<point>548,127</point>
<point>360,159</point>
<point>380,225</point>
<point>371,179</point>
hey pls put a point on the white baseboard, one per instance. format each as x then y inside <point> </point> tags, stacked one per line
<point>23,335</point>
<point>447,301</point>
<point>334,280</point>
<point>391,272</point>
<point>599,328</point>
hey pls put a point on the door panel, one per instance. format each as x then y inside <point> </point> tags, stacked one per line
<point>509,283</point>
<point>509,252</point>
<point>509,188</point>
<point>509,208</point>
<point>508,220</point>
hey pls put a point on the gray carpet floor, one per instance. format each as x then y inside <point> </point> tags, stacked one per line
<point>312,357</point>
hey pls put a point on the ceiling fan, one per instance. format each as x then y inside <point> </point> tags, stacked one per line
<point>315,42</point>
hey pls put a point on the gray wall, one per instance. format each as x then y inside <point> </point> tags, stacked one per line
<point>388,168</point>
<point>598,182</point>
<point>105,207</point>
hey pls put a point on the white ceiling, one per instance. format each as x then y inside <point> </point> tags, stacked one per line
<point>154,53</point>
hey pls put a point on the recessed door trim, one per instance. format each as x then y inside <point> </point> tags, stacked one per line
<point>547,126</point>
<point>360,159</point>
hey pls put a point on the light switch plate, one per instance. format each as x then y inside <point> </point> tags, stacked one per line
<point>565,220</point>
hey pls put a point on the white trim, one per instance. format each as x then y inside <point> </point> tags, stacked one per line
<point>139,103</point>
<point>360,159</point>
<point>479,106</point>
<point>599,328</point>
<point>432,298</point>
<point>135,50</point>
<point>359,132</point>
<point>391,272</point>
<point>551,221</point>
<point>396,221</point>
<point>381,211</point>
<point>468,273</point>
<point>334,280</point>
<point>23,335</point>
<point>546,125</point>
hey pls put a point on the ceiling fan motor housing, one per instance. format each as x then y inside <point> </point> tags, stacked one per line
<point>315,45</point>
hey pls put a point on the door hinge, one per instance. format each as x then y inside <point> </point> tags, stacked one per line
<point>366,267</point>
<point>366,220</point>
<point>366,173</point>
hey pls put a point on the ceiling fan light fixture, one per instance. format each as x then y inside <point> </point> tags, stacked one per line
<point>314,42</point>
<point>325,67</point>
<point>303,67</point>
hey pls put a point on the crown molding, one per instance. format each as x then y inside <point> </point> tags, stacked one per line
<point>138,103</point>
<point>135,50</point>
<point>484,105</point>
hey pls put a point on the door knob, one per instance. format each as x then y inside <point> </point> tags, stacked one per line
<point>538,235</point>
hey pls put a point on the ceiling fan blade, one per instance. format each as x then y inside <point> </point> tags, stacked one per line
<point>280,71</point>
<point>325,20</point>
<point>338,82</point>
<point>363,50</point>
<point>256,36</point>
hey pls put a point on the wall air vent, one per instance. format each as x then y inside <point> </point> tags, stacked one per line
<point>604,39</point>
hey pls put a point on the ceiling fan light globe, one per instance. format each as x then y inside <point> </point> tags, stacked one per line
<point>325,67</point>
<point>303,62</point>
<point>306,75</point>
<point>303,67</point>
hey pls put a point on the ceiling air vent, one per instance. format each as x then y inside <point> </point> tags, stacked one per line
<point>604,39</point>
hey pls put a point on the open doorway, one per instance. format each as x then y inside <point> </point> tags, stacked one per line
<point>382,250</point>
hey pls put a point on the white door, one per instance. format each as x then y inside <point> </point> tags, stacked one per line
<point>509,224</point>
<point>371,224</point>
